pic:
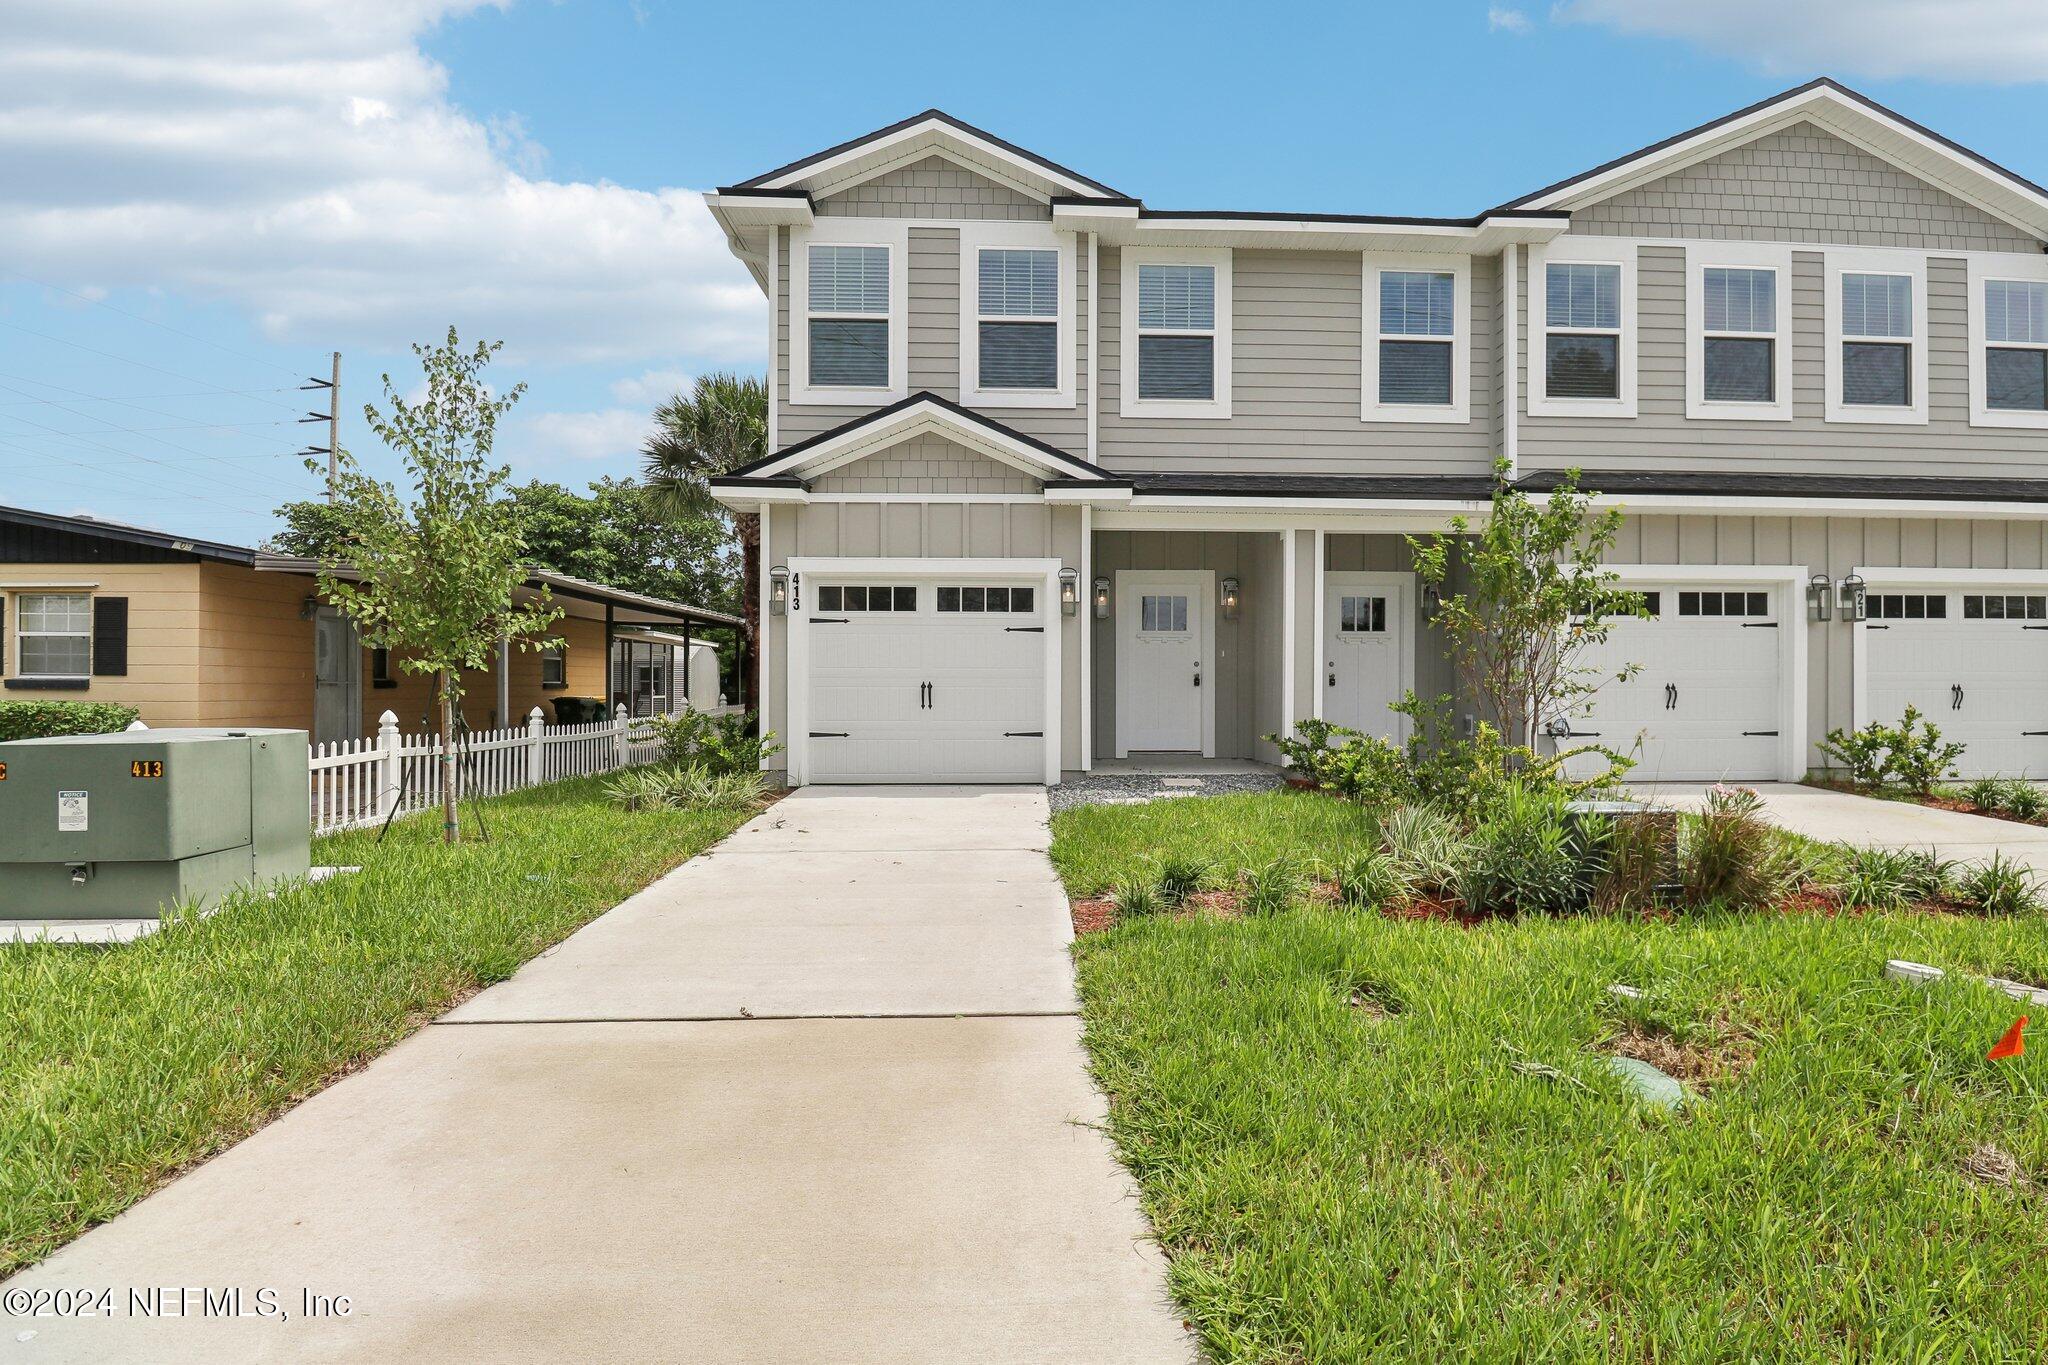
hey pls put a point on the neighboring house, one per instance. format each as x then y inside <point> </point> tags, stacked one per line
<point>1056,477</point>
<point>193,632</point>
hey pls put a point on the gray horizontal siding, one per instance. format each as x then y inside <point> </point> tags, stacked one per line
<point>933,188</point>
<point>1801,184</point>
<point>1661,436</point>
<point>1295,381</point>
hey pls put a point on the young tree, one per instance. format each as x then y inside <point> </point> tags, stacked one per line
<point>1523,599</point>
<point>720,425</point>
<point>432,580</point>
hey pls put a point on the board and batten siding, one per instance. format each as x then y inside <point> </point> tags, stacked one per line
<point>1834,546</point>
<point>1296,344</point>
<point>1661,437</point>
<point>934,342</point>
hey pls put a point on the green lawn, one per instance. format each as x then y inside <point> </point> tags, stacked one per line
<point>120,1065</point>
<point>1095,843</point>
<point>1334,1185</point>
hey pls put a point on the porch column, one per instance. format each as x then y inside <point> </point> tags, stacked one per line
<point>687,661</point>
<point>503,720</point>
<point>1301,552</point>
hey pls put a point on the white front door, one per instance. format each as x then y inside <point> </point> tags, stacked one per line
<point>1973,661</point>
<point>1368,650</point>
<point>925,680</point>
<point>1708,699</point>
<point>1165,662</point>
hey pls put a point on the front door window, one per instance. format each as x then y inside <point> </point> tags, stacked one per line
<point>1163,613</point>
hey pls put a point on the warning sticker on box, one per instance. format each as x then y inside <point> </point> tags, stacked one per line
<point>71,812</point>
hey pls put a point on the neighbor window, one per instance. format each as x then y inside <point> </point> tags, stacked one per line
<point>554,667</point>
<point>1877,340</point>
<point>1582,321</point>
<point>1018,308</point>
<point>53,634</point>
<point>1417,322</point>
<point>1177,332</point>
<point>1740,347</point>
<point>2016,350</point>
<point>849,316</point>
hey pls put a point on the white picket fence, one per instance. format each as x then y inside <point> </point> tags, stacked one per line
<point>358,782</point>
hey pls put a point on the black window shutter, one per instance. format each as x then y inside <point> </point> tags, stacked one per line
<point>110,637</point>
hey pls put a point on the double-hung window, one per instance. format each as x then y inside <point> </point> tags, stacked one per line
<point>1177,316</point>
<point>1582,326</point>
<point>1016,316</point>
<point>1416,337</point>
<point>2008,341</point>
<point>53,634</point>
<point>848,317</point>
<point>1739,324</point>
<point>1877,337</point>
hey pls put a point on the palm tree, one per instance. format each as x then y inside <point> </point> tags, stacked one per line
<point>720,425</point>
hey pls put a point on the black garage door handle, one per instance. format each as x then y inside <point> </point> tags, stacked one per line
<point>1023,630</point>
<point>1759,732</point>
<point>1023,734</point>
<point>830,734</point>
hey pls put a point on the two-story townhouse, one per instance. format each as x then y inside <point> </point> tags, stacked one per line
<point>1056,478</point>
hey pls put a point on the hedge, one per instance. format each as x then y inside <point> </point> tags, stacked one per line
<point>42,719</point>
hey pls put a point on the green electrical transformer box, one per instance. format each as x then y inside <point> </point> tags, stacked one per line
<point>126,826</point>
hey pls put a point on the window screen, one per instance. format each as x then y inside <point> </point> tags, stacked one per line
<point>849,352</point>
<point>1176,299</point>
<point>1416,303</point>
<point>1583,366</point>
<point>53,634</point>
<point>1582,307</point>
<point>2016,374</point>
<point>1580,294</point>
<point>1176,367</point>
<point>1740,317</point>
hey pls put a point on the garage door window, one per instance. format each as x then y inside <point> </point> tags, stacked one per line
<point>1724,603</point>
<point>1908,606</point>
<point>880,597</point>
<point>2005,607</point>
<point>962,598</point>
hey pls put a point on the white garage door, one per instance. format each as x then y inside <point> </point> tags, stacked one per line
<point>927,680</point>
<point>1974,661</point>
<point>1707,700</point>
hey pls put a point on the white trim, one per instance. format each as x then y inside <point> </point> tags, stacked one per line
<point>1982,269</point>
<point>913,497</point>
<point>1094,350</point>
<point>1859,639</point>
<point>775,334</point>
<point>1789,584</point>
<point>1701,257</point>
<point>920,136</point>
<point>881,432</point>
<point>43,585</point>
<point>1403,583</point>
<point>1820,507</point>
<point>1289,646</point>
<point>976,237</point>
<point>1620,251</point>
<point>764,657</point>
<point>892,233</point>
<point>1322,573</point>
<point>1084,613</point>
<point>1875,261</point>
<point>1511,352</point>
<point>1215,408</point>
<point>1124,607</point>
<point>1459,268</point>
<point>1043,573</point>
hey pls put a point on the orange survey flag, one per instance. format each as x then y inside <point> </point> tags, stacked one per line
<point>2011,1045</point>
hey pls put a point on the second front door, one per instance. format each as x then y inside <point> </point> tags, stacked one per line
<point>1164,662</point>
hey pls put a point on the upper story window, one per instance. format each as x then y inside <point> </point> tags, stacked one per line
<point>53,634</point>
<point>2016,360</point>
<point>1739,328</point>
<point>1582,350</point>
<point>1017,323</point>
<point>1417,338</point>
<point>1176,317</point>
<point>848,312</point>
<point>1877,337</point>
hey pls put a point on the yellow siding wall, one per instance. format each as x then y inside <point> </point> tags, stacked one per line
<point>255,655</point>
<point>164,616</point>
<point>412,700</point>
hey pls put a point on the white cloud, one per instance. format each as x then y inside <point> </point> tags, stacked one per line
<point>1958,40</point>
<point>655,386</point>
<point>1499,18</point>
<point>554,437</point>
<point>300,160</point>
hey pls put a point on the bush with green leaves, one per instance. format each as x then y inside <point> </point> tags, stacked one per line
<point>1181,875</point>
<point>1367,879</point>
<point>1271,887</point>
<point>1728,853</point>
<point>722,744</point>
<point>685,787</point>
<point>2015,796</point>
<point>1531,855</point>
<point>49,719</point>
<point>1909,756</point>
<point>1891,879</point>
<point>2002,886</point>
<point>1357,767</point>
<point>1425,845</point>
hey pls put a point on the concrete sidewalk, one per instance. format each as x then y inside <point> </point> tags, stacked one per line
<point>673,1176</point>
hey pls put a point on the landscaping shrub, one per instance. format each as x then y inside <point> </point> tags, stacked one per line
<point>1361,768</point>
<point>2019,798</point>
<point>48,719</point>
<point>1909,756</point>
<point>1271,887</point>
<point>689,787</point>
<point>1425,846</point>
<point>1888,879</point>
<point>1181,875</point>
<point>1635,867</point>
<point>1530,855</point>
<point>1367,879</point>
<point>2001,886</point>
<point>1135,894</point>
<point>1728,853</point>
<point>1986,793</point>
<point>720,744</point>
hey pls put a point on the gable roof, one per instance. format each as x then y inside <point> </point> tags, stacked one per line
<point>885,427</point>
<point>918,135</point>
<point>1850,115</point>
<point>30,530</point>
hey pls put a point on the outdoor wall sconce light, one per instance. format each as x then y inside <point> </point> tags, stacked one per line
<point>1070,591</point>
<point>1820,596</point>
<point>1228,598</point>
<point>309,608</point>
<point>1431,599</point>
<point>1854,600</point>
<point>778,589</point>
<point>1102,599</point>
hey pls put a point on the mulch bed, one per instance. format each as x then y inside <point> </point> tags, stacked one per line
<point>1949,803</point>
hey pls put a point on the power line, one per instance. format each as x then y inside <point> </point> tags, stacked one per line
<point>118,451</point>
<point>65,458</point>
<point>140,364</point>
<point>192,336</point>
<point>131,399</point>
<point>184,426</point>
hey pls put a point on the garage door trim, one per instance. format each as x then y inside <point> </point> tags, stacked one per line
<point>1040,573</point>
<point>1787,583</point>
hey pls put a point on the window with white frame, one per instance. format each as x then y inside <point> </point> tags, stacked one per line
<point>53,634</point>
<point>1176,312</point>
<point>1582,342</point>
<point>1876,337</point>
<point>554,667</point>
<point>2016,345</point>
<point>849,303</point>
<point>1017,319</point>
<point>1417,325</point>
<point>1738,327</point>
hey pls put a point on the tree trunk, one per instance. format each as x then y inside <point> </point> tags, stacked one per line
<point>451,832</point>
<point>750,603</point>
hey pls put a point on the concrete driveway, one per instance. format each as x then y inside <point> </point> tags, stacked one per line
<point>818,1095</point>
<point>1842,817</point>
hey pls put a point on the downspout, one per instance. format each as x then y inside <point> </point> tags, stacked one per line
<point>1094,356</point>
<point>1511,357</point>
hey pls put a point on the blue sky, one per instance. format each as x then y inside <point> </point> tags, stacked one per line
<point>199,202</point>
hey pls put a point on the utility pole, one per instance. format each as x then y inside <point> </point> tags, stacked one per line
<point>333,419</point>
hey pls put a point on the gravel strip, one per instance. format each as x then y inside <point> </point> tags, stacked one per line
<point>1113,789</point>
